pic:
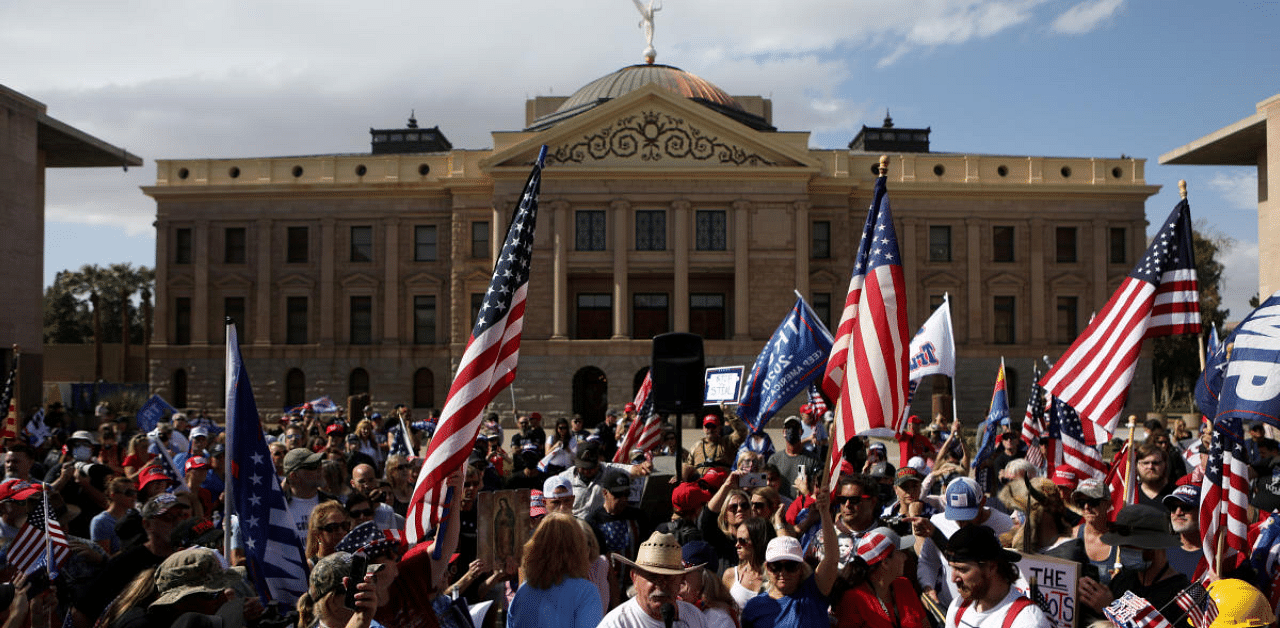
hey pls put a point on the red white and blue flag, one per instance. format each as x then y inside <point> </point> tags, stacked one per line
<point>645,431</point>
<point>1076,453</point>
<point>1159,297</point>
<point>1198,604</point>
<point>1132,611</point>
<point>992,427</point>
<point>1034,426</point>
<point>1224,497</point>
<point>867,370</point>
<point>488,365</point>
<point>40,539</point>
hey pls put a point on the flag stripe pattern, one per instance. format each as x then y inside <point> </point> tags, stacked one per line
<point>9,427</point>
<point>1157,298</point>
<point>1132,611</point>
<point>27,552</point>
<point>817,403</point>
<point>1076,453</point>
<point>1224,496</point>
<point>1033,423</point>
<point>1120,480</point>
<point>272,546</point>
<point>873,380</point>
<point>488,364</point>
<point>639,429</point>
<point>1197,603</point>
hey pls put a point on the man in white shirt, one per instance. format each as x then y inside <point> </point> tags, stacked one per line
<point>964,506</point>
<point>984,575</point>
<point>588,494</point>
<point>656,573</point>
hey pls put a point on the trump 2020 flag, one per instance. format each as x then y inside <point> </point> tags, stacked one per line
<point>487,366</point>
<point>794,357</point>
<point>270,538</point>
<point>152,411</point>
<point>997,417</point>
<point>1250,386</point>
<point>933,352</point>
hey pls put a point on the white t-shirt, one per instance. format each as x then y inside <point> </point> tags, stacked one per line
<point>933,570</point>
<point>1029,617</point>
<point>300,509</point>
<point>629,615</point>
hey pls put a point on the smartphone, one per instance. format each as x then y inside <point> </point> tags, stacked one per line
<point>359,563</point>
<point>752,480</point>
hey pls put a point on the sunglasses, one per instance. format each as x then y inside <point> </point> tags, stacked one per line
<point>361,514</point>
<point>737,506</point>
<point>741,541</point>
<point>760,505</point>
<point>1091,503</point>
<point>344,526</point>
<point>852,500</point>
<point>780,566</point>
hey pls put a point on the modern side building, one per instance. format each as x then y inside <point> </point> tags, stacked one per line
<point>30,142</point>
<point>1253,141</point>
<point>667,205</point>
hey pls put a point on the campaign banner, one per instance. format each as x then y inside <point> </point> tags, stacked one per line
<point>152,411</point>
<point>1051,583</point>
<point>722,385</point>
<point>1251,378</point>
<point>795,356</point>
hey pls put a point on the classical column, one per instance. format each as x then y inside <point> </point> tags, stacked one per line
<point>392,306</point>
<point>459,300</point>
<point>1039,301</point>
<point>977,292</point>
<point>916,294</point>
<point>803,241</point>
<point>164,258</point>
<point>742,270</point>
<point>200,310</point>
<point>325,304</point>
<point>1099,257</point>
<point>560,270</point>
<point>620,219</point>
<point>680,232</point>
<point>262,300</point>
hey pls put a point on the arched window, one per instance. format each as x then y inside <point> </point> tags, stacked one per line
<point>180,388</point>
<point>424,388</point>
<point>295,388</point>
<point>358,383</point>
<point>590,395</point>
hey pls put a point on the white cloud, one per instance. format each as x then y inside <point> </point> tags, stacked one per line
<point>1238,187</point>
<point>1239,277</point>
<point>1086,16</point>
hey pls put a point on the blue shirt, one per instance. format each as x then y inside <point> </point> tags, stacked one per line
<point>574,603</point>
<point>806,608</point>
<point>103,528</point>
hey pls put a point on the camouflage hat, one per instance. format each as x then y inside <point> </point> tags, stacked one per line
<point>327,575</point>
<point>158,505</point>
<point>194,570</point>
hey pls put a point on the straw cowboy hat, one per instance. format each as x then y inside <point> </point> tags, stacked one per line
<point>661,555</point>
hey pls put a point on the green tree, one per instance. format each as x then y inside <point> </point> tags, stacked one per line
<point>1176,364</point>
<point>68,315</point>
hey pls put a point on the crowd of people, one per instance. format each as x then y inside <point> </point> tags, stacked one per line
<point>745,534</point>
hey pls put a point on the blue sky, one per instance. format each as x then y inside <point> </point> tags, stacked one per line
<point>185,79</point>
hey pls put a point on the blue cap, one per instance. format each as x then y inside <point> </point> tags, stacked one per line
<point>963,499</point>
<point>1185,495</point>
<point>695,553</point>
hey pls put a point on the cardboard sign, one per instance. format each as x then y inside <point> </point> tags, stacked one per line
<point>723,385</point>
<point>1056,583</point>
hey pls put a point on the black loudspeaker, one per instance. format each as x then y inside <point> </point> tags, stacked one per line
<point>677,371</point>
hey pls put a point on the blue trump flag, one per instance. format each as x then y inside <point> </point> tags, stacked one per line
<point>1250,376</point>
<point>265,528</point>
<point>795,356</point>
<point>152,411</point>
<point>997,417</point>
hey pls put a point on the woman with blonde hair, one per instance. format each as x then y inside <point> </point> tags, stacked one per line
<point>323,602</point>
<point>138,456</point>
<point>556,591</point>
<point>1046,529</point>
<point>326,527</point>
<point>368,443</point>
<point>400,474</point>
<point>599,571</point>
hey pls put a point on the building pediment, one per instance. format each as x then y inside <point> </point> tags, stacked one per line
<point>940,279</point>
<point>423,281</point>
<point>653,129</point>
<point>823,277</point>
<point>233,282</point>
<point>359,281</point>
<point>181,282</point>
<point>1068,282</point>
<point>1006,280</point>
<point>296,281</point>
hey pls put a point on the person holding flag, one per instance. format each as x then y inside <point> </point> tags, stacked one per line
<point>990,431</point>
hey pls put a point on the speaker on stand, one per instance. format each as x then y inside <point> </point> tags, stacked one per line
<point>676,368</point>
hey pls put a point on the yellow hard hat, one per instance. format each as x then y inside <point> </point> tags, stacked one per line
<point>1240,605</point>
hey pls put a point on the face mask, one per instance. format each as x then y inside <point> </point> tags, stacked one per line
<point>1132,559</point>
<point>82,453</point>
<point>793,436</point>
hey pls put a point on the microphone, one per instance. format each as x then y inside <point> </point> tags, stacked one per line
<point>668,612</point>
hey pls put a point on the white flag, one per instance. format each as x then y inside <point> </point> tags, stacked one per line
<point>933,352</point>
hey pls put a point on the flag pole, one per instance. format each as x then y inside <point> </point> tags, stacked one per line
<point>48,542</point>
<point>228,505</point>
<point>1124,479</point>
<point>1182,191</point>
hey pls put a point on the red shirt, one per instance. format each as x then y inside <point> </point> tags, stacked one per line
<point>910,445</point>
<point>132,460</point>
<point>859,607</point>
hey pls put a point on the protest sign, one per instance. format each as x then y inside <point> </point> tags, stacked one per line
<point>722,385</point>
<point>1056,587</point>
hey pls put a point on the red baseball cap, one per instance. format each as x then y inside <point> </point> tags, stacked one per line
<point>710,419</point>
<point>18,490</point>
<point>197,462</point>
<point>630,407</point>
<point>152,474</point>
<point>1065,476</point>
<point>806,408</point>
<point>715,477</point>
<point>688,497</point>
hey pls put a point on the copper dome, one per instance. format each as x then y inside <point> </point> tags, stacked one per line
<point>633,77</point>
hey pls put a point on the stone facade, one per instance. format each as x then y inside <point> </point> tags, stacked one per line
<point>650,194</point>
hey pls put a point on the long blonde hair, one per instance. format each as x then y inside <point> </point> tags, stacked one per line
<point>318,515</point>
<point>556,551</point>
<point>140,592</point>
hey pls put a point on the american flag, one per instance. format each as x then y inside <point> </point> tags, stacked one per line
<point>1160,297</point>
<point>28,550</point>
<point>868,362</point>
<point>645,431</point>
<point>1224,497</point>
<point>1200,607</point>
<point>1033,424</point>
<point>817,403</point>
<point>1121,482</point>
<point>9,429</point>
<point>1131,611</point>
<point>271,544</point>
<point>487,366</point>
<point>1076,453</point>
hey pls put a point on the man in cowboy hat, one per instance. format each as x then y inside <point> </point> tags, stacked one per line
<point>1143,534</point>
<point>656,573</point>
<point>983,573</point>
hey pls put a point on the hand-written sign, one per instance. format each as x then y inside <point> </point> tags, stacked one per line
<point>723,385</point>
<point>1056,582</point>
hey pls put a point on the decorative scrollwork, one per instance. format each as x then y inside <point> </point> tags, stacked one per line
<point>654,136</point>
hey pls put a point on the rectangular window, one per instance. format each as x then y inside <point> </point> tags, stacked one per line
<point>296,321</point>
<point>477,300</point>
<point>480,239</point>
<point>595,316</point>
<point>650,315</point>
<point>182,246</point>
<point>1002,244</point>
<point>710,226</point>
<point>822,307</point>
<point>299,243</point>
<point>362,244</point>
<point>361,320</point>
<point>233,308</point>
<point>651,230</point>
<point>182,321</point>
<point>1004,314</point>
<point>424,319</point>
<point>1068,325</point>
<point>820,248</point>
<point>1065,241</point>
<point>424,243</point>
<point>589,230</point>
<point>935,302</point>
<point>707,316</point>
<point>1119,249</point>
<point>940,243</point>
<point>233,245</point>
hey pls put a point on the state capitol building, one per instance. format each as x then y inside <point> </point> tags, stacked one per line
<point>667,205</point>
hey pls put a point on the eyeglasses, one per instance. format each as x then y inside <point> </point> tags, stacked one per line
<point>330,528</point>
<point>741,541</point>
<point>780,566</point>
<point>1088,503</point>
<point>759,505</point>
<point>361,514</point>
<point>1184,508</point>
<point>737,506</point>
<point>852,500</point>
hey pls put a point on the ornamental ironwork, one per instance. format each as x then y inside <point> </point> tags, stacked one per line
<point>655,136</point>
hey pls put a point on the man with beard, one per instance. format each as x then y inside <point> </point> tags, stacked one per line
<point>965,506</point>
<point>983,574</point>
<point>858,507</point>
<point>1144,536</point>
<point>1153,475</point>
<point>1184,509</point>
<point>657,573</point>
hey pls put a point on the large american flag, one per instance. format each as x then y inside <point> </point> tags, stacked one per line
<point>9,423</point>
<point>1076,453</point>
<point>645,431</point>
<point>867,371</point>
<point>271,544</point>
<point>488,364</point>
<point>1224,497</point>
<point>39,538</point>
<point>1160,297</point>
<point>1033,424</point>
